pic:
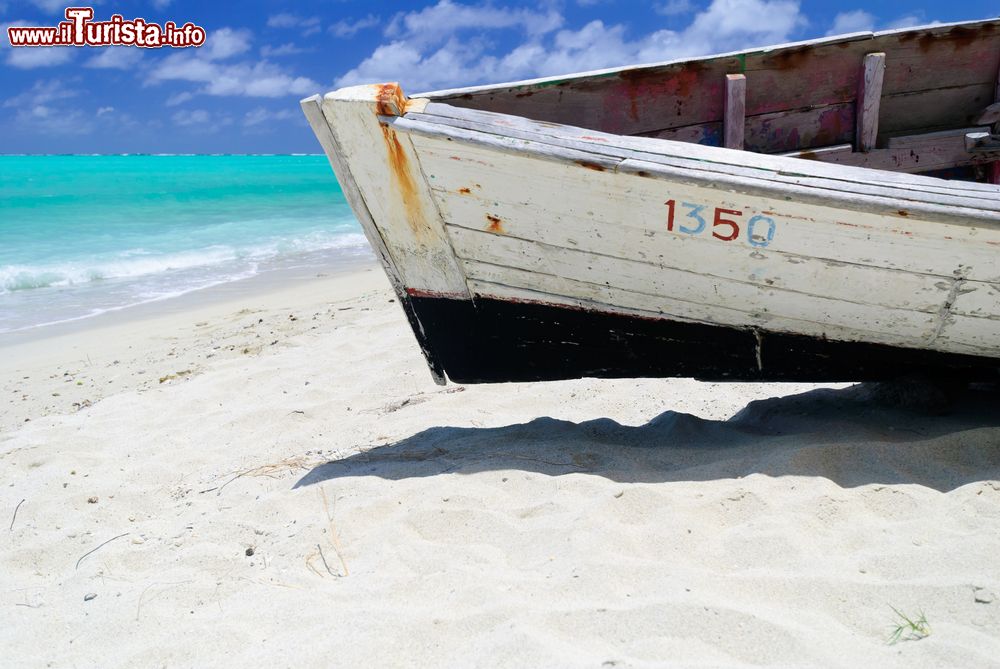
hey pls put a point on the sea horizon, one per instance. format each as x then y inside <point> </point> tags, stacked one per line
<point>83,234</point>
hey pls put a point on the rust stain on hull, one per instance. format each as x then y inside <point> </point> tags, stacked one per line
<point>390,101</point>
<point>406,186</point>
<point>496,225</point>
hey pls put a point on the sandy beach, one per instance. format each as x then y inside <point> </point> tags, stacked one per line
<point>268,476</point>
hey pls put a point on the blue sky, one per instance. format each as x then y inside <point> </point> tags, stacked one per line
<point>239,93</point>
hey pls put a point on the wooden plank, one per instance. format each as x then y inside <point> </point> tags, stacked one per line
<point>869,98</point>
<point>608,144</point>
<point>743,287</point>
<point>821,153</point>
<point>919,153</point>
<point>734,119</point>
<point>993,171</point>
<point>625,216</point>
<point>776,132</point>
<point>982,142</point>
<point>856,197</point>
<point>393,187</point>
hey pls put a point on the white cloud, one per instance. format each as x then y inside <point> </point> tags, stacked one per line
<point>101,111</point>
<point>262,115</point>
<point>189,117</point>
<point>116,58</point>
<point>910,21</point>
<point>179,98</point>
<point>438,22</point>
<point>448,44</point>
<point>225,43</point>
<point>51,6</point>
<point>852,22</point>
<point>42,92</point>
<point>309,25</point>
<point>261,79</point>
<point>346,28</point>
<point>161,4</point>
<point>674,7</point>
<point>53,121</point>
<point>247,78</point>
<point>281,50</point>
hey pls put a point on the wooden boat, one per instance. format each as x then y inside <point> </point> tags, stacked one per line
<point>825,210</point>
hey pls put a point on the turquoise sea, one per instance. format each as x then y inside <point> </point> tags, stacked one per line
<point>83,235</point>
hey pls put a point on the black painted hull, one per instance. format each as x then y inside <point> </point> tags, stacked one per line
<point>491,340</point>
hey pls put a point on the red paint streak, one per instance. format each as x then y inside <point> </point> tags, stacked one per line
<point>496,225</point>
<point>454,157</point>
<point>593,139</point>
<point>420,292</point>
<point>464,191</point>
<point>590,166</point>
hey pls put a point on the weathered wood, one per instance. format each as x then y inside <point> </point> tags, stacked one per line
<point>993,171</point>
<point>853,196</point>
<point>393,187</point>
<point>541,230</point>
<point>982,142</point>
<point>734,119</point>
<point>616,145</point>
<point>821,153</point>
<point>805,76</point>
<point>591,204</point>
<point>869,99</point>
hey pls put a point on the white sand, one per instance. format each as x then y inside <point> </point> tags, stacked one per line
<point>393,522</point>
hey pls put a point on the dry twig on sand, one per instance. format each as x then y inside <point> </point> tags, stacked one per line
<point>334,542</point>
<point>14,517</point>
<point>93,550</point>
<point>272,470</point>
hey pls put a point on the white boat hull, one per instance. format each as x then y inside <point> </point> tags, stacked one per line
<point>524,250</point>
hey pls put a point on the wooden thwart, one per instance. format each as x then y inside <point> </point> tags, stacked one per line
<point>869,99</point>
<point>735,112</point>
<point>993,171</point>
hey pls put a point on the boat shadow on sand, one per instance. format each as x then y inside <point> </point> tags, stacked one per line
<point>865,434</point>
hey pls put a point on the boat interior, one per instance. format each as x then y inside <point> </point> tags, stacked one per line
<point>924,100</point>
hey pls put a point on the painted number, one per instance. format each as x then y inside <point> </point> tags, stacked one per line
<point>695,213</point>
<point>720,221</point>
<point>759,240</point>
<point>725,225</point>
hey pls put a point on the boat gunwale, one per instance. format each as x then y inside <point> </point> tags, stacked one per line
<point>613,71</point>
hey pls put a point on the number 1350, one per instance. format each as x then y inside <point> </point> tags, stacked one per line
<point>725,223</point>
